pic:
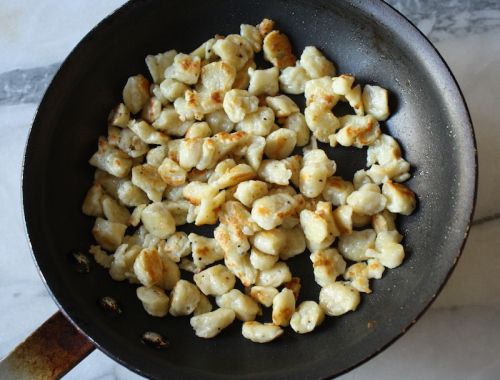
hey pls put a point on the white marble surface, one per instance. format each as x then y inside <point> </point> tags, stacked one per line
<point>459,338</point>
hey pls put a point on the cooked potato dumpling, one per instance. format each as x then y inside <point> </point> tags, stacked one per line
<point>297,123</point>
<point>108,234</point>
<point>136,93</point>
<point>280,143</point>
<point>283,307</point>
<point>278,50</point>
<point>358,131</point>
<point>338,298</point>
<point>354,246</point>
<point>328,264</point>
<point>158,220</point>
<point>400,199</point>
<point>148,267</point>
<point>263,82</point>
<point>271,210</point>
<point>258,123</point>
<point>246,308</point>
<point>212,323</point>
<point>212,138</point>
<point>282,105</point>
<point>293,80</point>
<point>270,242</point>
<point>241,267</point>
<point>275,171</point>
<point>146,178</point>
<point>110,159</point>
<point>274,277</point>
<point>154,300</point>
<point>316,169</point>
<point>158,63</point>
<point>375,101</point>
<point>263,294</point>
<point>92,204</point>
<point>239,103</point>
<point>367,200</point>
<point>307,317</point>
<point>261,332</point>
<point>319,91</point>
<point>215,281</point>
<point>205,250</point>
<point>249,191</point>
<point>184,298</point>
<point>185,69</point>
<point>315,63</point>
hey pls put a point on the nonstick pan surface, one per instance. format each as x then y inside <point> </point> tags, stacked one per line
<point>366,38</point>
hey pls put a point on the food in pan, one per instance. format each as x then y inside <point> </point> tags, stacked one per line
<point>211,139</point>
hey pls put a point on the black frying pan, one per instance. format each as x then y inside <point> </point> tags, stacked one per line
<point>367,38</point>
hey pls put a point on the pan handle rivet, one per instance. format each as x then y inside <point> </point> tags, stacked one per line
<point>80,262</point>
<point>110,305</point>
<point>154,340</point>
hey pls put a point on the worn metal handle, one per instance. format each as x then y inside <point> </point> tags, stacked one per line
<point>49,353</point>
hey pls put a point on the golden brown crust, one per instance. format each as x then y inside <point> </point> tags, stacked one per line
<point>278,50</point>
<point>265,27</point>
<point>294,285</point>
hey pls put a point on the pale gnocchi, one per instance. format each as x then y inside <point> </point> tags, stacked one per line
<point>154,300</point>
<point>210,324</point>
<point>213,139</point>
<point>283,307</point>
<point>245,308</point>
<point>307,317</point>
<point>215,281</point>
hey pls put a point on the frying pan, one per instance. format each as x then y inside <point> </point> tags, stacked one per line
<point>366,38</point>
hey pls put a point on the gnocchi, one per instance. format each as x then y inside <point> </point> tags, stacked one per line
<point>215,281</point>
<point>328,264</point>
<point>148,267</point>
<point>307,317</point>
<point>245,308</point>
<point>261,332</point>
<point>184,298</point>
<point>210,324</point>
<point>264,294</point>
<point>249,191</point>
<point>154,300</point>
<point>211,138</point>
<point>293,79</point>
<point>283,307</point>
<point>263,82</point>
<point>261,260</point>
<point>338,298</point>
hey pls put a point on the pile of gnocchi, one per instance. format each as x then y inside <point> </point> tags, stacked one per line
<point>209,139</point>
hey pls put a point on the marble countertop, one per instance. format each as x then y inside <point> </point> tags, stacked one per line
<point>458,338</point>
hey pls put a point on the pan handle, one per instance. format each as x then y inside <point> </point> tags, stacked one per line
<point>49,353</point>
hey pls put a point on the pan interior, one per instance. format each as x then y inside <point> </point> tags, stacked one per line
<point>364,38</point>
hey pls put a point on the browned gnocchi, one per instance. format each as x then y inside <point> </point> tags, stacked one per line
<point>210,139</point>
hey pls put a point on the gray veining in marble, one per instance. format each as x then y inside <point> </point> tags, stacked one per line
<point>486,219</point>
<point>437,19</point>
<point>25,86</point>
<point>440,19</point>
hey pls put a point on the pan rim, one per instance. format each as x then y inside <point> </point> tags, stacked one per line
<point>377,8</point>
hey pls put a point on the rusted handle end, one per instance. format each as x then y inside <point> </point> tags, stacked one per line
<point>50,352</point>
